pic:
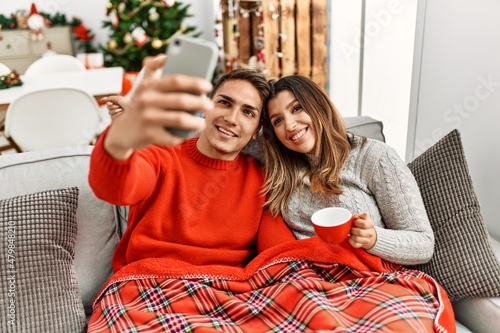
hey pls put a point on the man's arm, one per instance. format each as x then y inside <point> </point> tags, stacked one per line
<point>157,103</point>
<point>116,174</point>
<point>124,182</point>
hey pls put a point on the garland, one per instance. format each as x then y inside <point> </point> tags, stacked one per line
<point>10,80</point>
<point>83,35</point>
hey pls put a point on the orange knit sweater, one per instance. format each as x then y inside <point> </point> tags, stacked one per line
<point>187,206</point>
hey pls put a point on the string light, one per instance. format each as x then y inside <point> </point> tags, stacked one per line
<point>243,10</point>
<point>256,10</point>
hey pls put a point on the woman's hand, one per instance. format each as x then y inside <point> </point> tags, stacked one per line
<point>363,233</point>
<point>115,104</point>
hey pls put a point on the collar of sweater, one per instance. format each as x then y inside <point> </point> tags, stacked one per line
<point>209,162</point>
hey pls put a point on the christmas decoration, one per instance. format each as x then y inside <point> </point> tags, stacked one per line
<point>156,43</point>
<point>36,23</point>
<point>10,80</point>
<point>168,3</point>
<point>141,28</point>
<point>22,19</point>
<point>127,39</point>
<point>83,35</point>
<point>8,23</point>
<point>91,60</point>
<point>140,36</point>
<point>113,19</point>
<point>153,15</point>
<point>250,14</point>
<point>112,44</point>
<point>256,62</point>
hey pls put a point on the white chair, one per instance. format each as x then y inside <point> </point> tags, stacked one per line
<point>54,64</point>
<point>4,69</point>
<point>50,118</point>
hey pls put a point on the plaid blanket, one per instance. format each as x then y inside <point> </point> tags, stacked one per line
<point>301,286</point>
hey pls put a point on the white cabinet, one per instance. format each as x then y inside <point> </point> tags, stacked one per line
<point>18,50</point>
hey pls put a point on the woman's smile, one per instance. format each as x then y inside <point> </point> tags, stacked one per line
<point>298,135</point>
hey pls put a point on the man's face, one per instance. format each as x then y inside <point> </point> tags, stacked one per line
<point>233,122</point>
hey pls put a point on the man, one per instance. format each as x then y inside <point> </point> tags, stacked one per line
<point>198,201</point>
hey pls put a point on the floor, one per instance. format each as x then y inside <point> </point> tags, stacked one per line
<point>4,142</point>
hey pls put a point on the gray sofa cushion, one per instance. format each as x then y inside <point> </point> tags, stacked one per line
<point>38,286</point>
<point>463,262</point>
<point>365,126</point>
<point>36,171</point>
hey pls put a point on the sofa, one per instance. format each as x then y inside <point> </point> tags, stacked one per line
<point>58,238</point>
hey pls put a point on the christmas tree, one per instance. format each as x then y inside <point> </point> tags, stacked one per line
<point>142,28</point>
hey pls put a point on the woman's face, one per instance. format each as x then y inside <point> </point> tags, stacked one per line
<point>292,125</point>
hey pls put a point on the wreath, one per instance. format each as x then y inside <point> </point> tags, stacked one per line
<point>10,80</point>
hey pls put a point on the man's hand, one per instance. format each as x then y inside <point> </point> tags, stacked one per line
<point>158,103</point>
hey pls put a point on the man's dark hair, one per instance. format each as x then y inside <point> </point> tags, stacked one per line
<point>255,78</point>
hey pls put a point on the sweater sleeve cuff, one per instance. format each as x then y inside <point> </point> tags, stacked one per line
<point>106,175</point>
<point>385,245</point>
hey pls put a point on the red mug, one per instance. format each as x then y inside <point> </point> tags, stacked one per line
<point>332,224</point>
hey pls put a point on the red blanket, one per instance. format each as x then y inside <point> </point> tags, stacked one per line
<point>300,286</point>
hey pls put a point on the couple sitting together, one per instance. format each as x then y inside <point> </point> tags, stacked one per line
<point>218,242</point>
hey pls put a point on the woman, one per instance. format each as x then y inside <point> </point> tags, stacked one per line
<point>312,162</point>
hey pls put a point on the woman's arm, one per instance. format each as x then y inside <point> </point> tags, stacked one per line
<point>407,238</point>
<point>116,105</point>
<point>272,231</point>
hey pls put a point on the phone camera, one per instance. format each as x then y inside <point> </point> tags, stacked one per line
<point>177,42</point>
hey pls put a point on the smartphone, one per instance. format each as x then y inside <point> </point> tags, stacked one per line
<point>190,56</point>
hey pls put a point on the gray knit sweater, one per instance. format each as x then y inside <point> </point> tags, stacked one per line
<point>375,180</point>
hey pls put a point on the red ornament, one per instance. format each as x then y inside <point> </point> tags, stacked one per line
<point>81,32</point>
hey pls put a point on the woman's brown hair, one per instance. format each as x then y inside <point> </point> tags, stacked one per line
<point>285,168</point>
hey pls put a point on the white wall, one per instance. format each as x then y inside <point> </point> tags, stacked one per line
<point>387,66</point>
<point>93,12</point>
<point>344,55</point>
<point>457,85</point>
<point>373,77</point>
